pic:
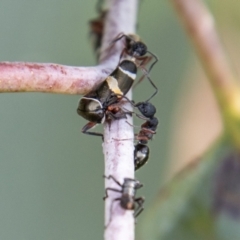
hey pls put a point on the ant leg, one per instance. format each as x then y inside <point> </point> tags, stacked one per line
<point>118,115</point>
<point>139,81</point>
<point>143,62</point>
<point>114,179</point>
<point>121,55</point>
<point>133,105</point>
<point>110,189</point>
<point>140,207</point>
<point>129,101</point>
<point>123,114</point>
<point>147,59</point>
<point>152,83</point>
<point>156,60</point>
<point>110,47</point>
<point>137,114</point>
<point>156,89</point>
<point>89,126</point>
<point>118,37</point>
<point>132,125</point>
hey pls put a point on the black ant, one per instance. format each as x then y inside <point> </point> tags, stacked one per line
<point>148,128</point>
<point>141,155</point>
<point>97,26</point>
<point>128,198</point>
<point>136,49</point>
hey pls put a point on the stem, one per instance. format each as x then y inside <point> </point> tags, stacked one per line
<point>199,24</point>
<point>51,78</point>
<point>56,78</point>
<point>118,143</point>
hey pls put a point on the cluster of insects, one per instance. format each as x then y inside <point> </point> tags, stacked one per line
<point>104,104</point>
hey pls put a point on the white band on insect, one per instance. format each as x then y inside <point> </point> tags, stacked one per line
<point>129,74</point>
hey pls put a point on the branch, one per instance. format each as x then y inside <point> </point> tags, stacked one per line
<point>51,78</point>
<point>199,24</point>
<point>56,78</point>
<point>118,143</point>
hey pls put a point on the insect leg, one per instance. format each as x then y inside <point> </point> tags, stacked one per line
<point>89,126</point>
<point>140,208</point>
<point>114,179</point>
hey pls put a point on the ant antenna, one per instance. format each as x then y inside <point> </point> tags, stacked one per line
<point>156,89</point>
<point>156,60</point>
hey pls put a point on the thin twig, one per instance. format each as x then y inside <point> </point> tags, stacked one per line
<point>118,143</point>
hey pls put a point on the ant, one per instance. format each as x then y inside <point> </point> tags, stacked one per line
<point>148,128</point>
<point>136,49</point>
<point>128,199</point>
<point>141,155</point>
<point>97,26</point>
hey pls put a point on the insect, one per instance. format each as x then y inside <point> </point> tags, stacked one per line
<point>101,104</point>
<point>148,128</point>
<point>147,109</point>
<point>139,53</point>
<point>127,200</point>
<point>141,155</point>
<point>97,28</point>
<point>135,48</point>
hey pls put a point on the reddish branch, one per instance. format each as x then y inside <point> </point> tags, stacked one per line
<point>56,78</point>
<point>52,78</point>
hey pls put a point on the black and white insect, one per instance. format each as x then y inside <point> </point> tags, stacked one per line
<point>128,199</point>
<point>101,104</point>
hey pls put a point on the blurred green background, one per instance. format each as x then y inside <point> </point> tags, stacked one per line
<point>51,184</point>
